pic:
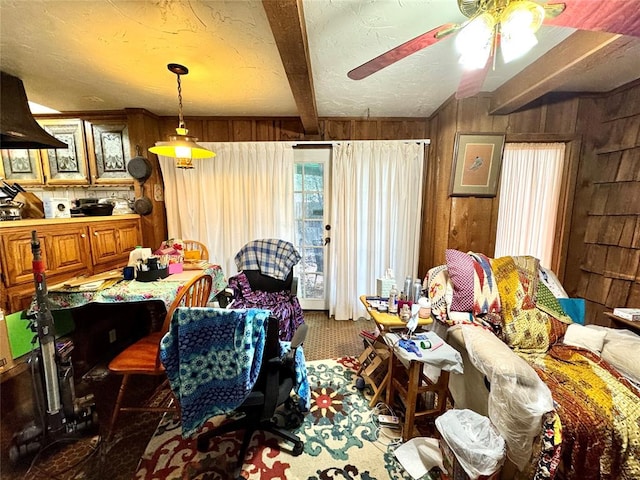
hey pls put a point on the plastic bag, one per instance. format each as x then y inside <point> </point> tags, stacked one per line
<point>518,398</point>
<point>473,440</point>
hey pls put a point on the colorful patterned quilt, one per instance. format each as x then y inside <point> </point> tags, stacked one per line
<point>594,432</point>
<point>599,411</point>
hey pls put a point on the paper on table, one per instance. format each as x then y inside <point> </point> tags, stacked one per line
<point>419,455</point>
<point>185,275</point>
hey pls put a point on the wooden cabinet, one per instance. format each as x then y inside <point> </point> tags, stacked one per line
<point>111,242</point>
<point>69,247</point>
<point>98,151</point>
<point>22,166</point>
<point>66,166</point>
<point>109,151</point>
<point>65,249</point>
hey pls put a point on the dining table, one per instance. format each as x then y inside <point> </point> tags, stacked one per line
<point>110,287</point>
<point>106,312</point>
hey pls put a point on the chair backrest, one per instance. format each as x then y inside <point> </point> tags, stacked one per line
<point>265,283</point>
<point>198,247</point>
<point>194,293</point>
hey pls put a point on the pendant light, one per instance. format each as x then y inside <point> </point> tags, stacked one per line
<point>181,146</point>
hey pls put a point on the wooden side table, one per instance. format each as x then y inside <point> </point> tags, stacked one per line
<point>389,321</point>
<point>619,322</point>
<point>408,383</point>
<point>374,360</point>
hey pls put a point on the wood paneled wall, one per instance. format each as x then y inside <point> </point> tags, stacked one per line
<point>469,223</point>
<point>605,240</point>
<point>256,129</point>
<point>598,230</point>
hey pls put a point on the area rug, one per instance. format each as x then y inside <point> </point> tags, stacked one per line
<point>341,440</point>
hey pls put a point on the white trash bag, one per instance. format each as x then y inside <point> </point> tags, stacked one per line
<point>473,440</point>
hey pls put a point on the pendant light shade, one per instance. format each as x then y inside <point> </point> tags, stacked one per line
<point>181,146</point>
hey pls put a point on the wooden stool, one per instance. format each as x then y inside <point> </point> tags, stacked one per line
<point>408,383</point>
<point>373,367</point>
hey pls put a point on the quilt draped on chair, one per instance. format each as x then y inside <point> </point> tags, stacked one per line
<point>212,358</point>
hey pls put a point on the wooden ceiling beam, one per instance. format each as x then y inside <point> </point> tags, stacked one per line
<point>286,18</point>
<point>579,52</point>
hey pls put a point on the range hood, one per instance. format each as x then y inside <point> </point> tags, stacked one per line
<point>18,128</point>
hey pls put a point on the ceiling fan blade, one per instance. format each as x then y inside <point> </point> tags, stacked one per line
<point>620,16</point>
<point>472,80</point>
<point>401,51</point>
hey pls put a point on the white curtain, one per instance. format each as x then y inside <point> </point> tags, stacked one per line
<point>529,191</point>
<point>376,212</point>
<point>245,192</point>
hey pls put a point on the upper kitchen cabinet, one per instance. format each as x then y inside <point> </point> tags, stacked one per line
<point>109,151</point>
<point>98,151</point>
<point>66,166</point>
<point>22,166</point>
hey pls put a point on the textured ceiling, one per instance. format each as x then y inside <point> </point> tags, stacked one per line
<point>104,55</point>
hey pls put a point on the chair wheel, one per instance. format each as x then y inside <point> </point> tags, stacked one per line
<point>297,449</point>
<point>203,444</point>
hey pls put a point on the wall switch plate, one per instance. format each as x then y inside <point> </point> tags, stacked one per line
<point>112,335</point>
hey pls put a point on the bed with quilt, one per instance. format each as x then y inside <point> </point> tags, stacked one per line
<point>565,397</point>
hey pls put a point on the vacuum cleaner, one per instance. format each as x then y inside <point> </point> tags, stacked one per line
<point>59,413</point>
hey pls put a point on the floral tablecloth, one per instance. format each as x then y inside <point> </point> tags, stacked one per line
<point>134,291</point>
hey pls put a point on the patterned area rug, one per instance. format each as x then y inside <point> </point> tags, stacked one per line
<point>341,440</point>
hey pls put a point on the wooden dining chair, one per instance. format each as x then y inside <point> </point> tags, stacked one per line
<point>196,246</point>
<point>142,358</point>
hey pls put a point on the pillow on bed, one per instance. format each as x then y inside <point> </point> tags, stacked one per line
<point>437,280</point>
<point>485,291</point>
<point>461,272</point>
<point>620,349</point>
<point>583,337</point>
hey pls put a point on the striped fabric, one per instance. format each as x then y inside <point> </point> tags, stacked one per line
<point>269,256</point>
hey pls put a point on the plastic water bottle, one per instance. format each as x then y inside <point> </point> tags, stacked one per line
<point>393,300</point>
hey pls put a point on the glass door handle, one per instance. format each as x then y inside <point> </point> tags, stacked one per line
<point>327,240</point>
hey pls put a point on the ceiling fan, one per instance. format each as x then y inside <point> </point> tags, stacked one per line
<point>509,25</point>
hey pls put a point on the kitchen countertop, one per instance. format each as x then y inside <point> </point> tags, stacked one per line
<point>29,222</point>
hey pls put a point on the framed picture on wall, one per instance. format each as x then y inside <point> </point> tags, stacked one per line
<point>477,158</point>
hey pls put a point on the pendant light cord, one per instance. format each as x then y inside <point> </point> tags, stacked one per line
<point>180,117</point>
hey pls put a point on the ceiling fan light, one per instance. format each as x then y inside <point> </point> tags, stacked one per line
<point>476,34</point>
<point>516,45</point>
<point>521,15</point>
<point>474,42</point>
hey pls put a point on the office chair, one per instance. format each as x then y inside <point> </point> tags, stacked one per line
<point>195,246</point>
<point>142,358</point>
<point>273,388</point>
<point>265,280</point>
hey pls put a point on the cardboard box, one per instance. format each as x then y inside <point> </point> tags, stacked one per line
<point>6,358</point>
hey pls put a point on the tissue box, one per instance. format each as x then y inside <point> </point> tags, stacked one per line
<point>383,285</point>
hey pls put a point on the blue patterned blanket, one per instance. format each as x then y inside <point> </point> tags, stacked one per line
<point>212,358</point>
